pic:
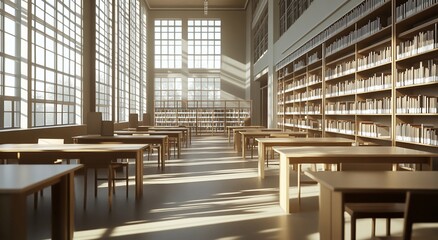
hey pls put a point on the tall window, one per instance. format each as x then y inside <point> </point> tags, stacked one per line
<point>168,43</point>
<point>290,11</point>
<point>13,58</point>
<point>261,36</point>
<point>204,44</point>
<point>204,88</point>
<point>104,58</point>
<point>56,94</point>
<point>168,89</point>
<point>143,59</point>
<point>130,48</point>
<point>134,57</point>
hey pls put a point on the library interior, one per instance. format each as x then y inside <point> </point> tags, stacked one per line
<point>219,119</point>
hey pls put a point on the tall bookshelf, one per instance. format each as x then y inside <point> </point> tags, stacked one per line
<point>203,117</point>
<point>372,76</point>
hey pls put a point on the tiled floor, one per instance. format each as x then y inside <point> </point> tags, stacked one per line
<point>210,193</point>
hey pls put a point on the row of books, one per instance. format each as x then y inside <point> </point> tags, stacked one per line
<point>427,72</point>
<point>368,106</point>
<point>340,126</point>
<point>306,110</point>
<point>302,82</point>
<point>374,83</point>
<point>341,69</point>
<point>370,28</point>
<point>423,42</point>
<point>417,133</point>
<point>346,107</point>
<point>374,59</point>
<point>412,7</point>
<point>341,88</point>
<point>417,104</point>
<point>314,57</point>
<point>305,96</point>
<point>374,106</point>
<point>373,129</point>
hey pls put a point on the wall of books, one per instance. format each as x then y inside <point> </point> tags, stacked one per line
<point>202,116</point>
<point>371,76</point>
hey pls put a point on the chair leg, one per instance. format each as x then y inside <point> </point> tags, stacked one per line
<point>95,182</point>
<point>35,200</point>
<point>127,179</point>
<point>373,227</point>
<point>110,195</point>
<point>353,227</point>
<point>388,227</point>
<point>85,187</point>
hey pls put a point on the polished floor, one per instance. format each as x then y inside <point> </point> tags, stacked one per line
<point>210,193</point>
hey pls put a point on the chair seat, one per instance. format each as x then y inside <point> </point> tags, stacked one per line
<point>375,210</point>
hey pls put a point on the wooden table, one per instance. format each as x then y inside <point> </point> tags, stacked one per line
<point>337,188</point>
<point>171,134</point>
<point>339,155</point>
<point>231,128</point>
<point>19,181</point>
<point>87,153</point>
<point>238,138</point>
<point>264,143</point>
<point>248,135</point>
<point>161,140</point>
<point>186,131</point>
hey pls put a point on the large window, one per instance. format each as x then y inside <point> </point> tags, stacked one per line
<point>261,36</point>
<point>290,11</point>
<point>56,83</point>
<point>168,89</point>
<point>204,88</point>
<point>168,43</point>
<point>129,66</point>
<point>204,44</point>
<point>104,58</point>
<point>13,57</point>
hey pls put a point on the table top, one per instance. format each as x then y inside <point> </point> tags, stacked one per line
<point>262,129</point>
<point>18,178</point>
<point>303,140</point>
<point>99,137</point>
<point>265,133</point>
<point>358,181</point>
<point>98,147</point>
<point>351,151</point>
<point>151,133</point>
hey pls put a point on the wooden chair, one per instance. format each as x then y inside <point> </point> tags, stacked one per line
<point>373,211</point>
<point>421,207</point>
<point>116,165</point>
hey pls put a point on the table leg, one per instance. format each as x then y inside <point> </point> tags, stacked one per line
<point>262,157</point>
<point>284,183</point>
<point>299,184</point>
<point>63,208</point>
<point>331,214</point>
<point>243,147</point>
<point>179,145</point>
<point>139,173</point>
<point>13,210</point>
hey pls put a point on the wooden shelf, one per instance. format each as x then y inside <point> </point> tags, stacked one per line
<point>375,47</point>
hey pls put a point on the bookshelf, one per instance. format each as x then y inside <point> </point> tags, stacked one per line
<point>202,116</point>
<point>372,76</point>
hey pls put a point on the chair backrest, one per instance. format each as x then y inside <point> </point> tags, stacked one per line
<point>421,207</point>
<point>52,141</point>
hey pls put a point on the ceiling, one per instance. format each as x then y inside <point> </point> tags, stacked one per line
<point>196,4</point>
